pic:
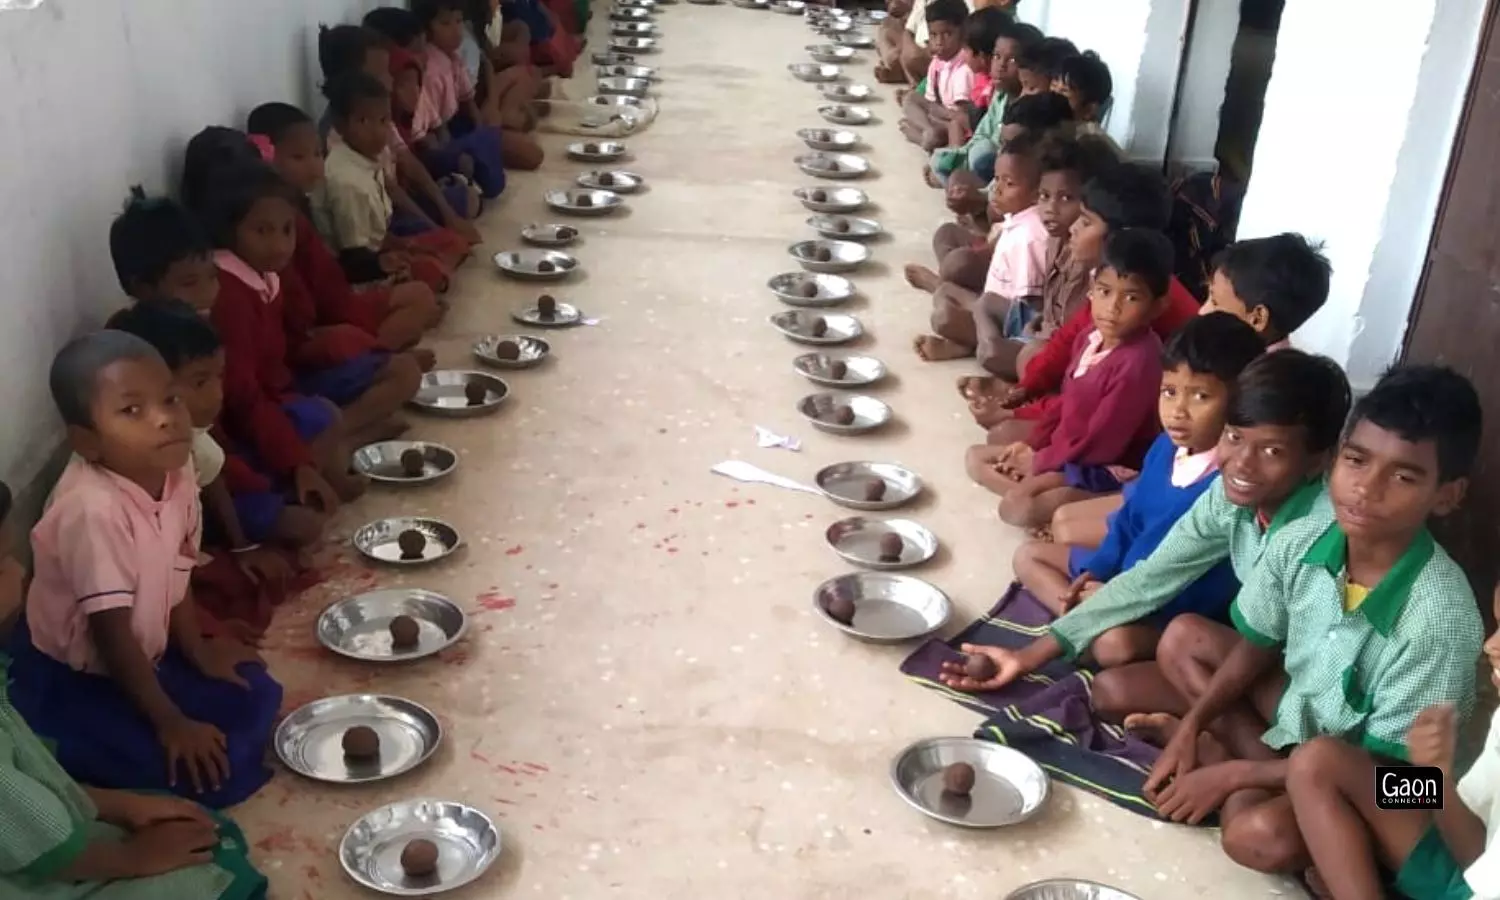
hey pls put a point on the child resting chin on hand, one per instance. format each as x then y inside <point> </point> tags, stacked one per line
<point>110,663</point>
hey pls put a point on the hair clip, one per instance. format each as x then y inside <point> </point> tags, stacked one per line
<point>264,145</point>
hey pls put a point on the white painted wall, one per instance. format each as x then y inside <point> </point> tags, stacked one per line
<point>103,94</point>
<point>1359,123</point>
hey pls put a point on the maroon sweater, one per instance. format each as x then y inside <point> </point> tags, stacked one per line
<point>1108,417</point>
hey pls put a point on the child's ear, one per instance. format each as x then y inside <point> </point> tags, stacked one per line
<point>84,442</point>
<point>1259,318</point>
<point>1450,496</point>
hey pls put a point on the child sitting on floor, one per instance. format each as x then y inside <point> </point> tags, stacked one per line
<point>396,314</point>
<point>978,152</point>
<point>1371,621</point>
<point>1039,64</point>
<point>451,204</point>
<point>503,76</point>
<point>1281,425</point>
<point>980,33</point>
<point>160,252</point>
<point>950,80</point>
<point>1107,416</point>
<point>352,205</point>
<point>67,841</point>
<point>1446,855</point>
<point>1274,284</point>
<point>967,197</point>
<point>1084,80</point>
<point>110,664</point>
<point>1199,368</point>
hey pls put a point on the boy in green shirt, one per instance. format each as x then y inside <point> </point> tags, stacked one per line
<point>1371,620</point>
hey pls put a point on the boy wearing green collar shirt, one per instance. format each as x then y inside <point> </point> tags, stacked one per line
<point>1371,620</point>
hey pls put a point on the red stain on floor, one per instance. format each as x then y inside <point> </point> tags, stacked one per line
<point>493,601</point>
<point>515,551</point>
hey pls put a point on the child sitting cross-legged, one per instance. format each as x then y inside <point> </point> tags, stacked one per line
<point>1199,368</point>
<point>397,315</point>
<point>1107,416</point>
<point>950,80</point>
<point>977,154</point>
<point>353,205</point>
<point>1352,624</point>
<point>1282,422</point>
<point>66,840</point>
<point>110,663</point>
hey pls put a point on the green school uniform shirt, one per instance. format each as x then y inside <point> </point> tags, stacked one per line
<point>946,160</point>
<point>1361,675</point>
<point>1211,529</point>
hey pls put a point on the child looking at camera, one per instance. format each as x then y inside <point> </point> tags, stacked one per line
<point>160,252</point>
<point>110,664</point>
<point>950,80</point>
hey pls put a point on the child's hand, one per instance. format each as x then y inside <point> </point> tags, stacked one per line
<point>169,846</point>
<point>264,567</point>
<point>1080,590</point>
<point>1016,396</point>
<point>314,491</point>
<point>1433,736</point>
<point>1191,798</point>
<point>197,747</point>
<point>1008,667</point>
<point>1016,461</point>
<point>137,812</point>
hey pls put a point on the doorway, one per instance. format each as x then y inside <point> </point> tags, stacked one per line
<point>1455,317</point>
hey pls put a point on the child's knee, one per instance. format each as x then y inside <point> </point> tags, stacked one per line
<point>1018,508</point>
<point>416,296</point>
<point>1119,646</point>
<point>1026,558</point>
<point>1109,693</point>
<point>522,152</point>
<point>1180,640</point>
<point>1318,762</point>
<point>1265,838</point>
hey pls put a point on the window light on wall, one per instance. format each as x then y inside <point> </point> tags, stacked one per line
<point>6,5</point>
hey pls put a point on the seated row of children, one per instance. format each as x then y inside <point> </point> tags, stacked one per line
<point>1263,597</point>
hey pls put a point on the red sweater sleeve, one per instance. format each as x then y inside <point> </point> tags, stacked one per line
<point>1127,397</point>
<point>1182,306</point>
<point>252,409</point>
<point>1045,373</point>
<point>334,299</point>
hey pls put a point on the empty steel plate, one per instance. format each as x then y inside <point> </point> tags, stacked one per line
<point>467,841</point>
<point>832,199</point>
<point>803,327</point>
<point>310,740</point>
<point>627,87</point>
<point>447,392</point>
<point>828,53</point>
<point>584,202</point>
<point>549,235</point>
<point>387,462</point>
<point>844,227</point>
<point>596,151</point>
<point>825,412</point>
<point>815,72</point>
<point>381,540</point>
<point>808,289</point>
<point>845,93</point>
<point>857,41</point>
<point>1008,786</point>
<point>887,608</point>
<point>833,165</point>
<point>1068,889</point>
<point>829,256</point>
<point>521,351</point>
<point>858,540</point>
<point>828,139</point>
<point>617,180</point>
<point>536,265</point>
<point>847,484</point>
<point>839,371</point>
<point>563,315</point>
<point>359,627</point>
<point>843,114</point>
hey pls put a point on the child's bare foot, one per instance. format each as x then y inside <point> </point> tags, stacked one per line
<point>936,348</point>
<point>349,486</point>
<point>922,278</point>
<point>1041,533</point>
<point>1155,729</point>
<point>390,429</point>
<point>909,131</point>
<point>989,412</point>
<point>886,74</point>
<point>979,387</point>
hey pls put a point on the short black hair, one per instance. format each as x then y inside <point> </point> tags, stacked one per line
<point>394,24</point>
<point>1025,34</point>
<point>954,12</point>
<point>343,48</point>
<point>1428,403</point>
<point>1087,76</point>
<point>1086,155</point>
<point>149,235</point>
<point>428,10</point>
<point>1285,273</point>
<point>1289,387</point>
<point>984,28</point>
<point>231,192</point>
<point>1217,344</point>
<point>1129,196</point>
<point>1046,55</point>
<point>209,151</point>
<point>349,89</point>
<point>74,377</point>
<point>1140,252</point>
<point>274,120</point>
<point>1037,112</point>
<point>177,332</point>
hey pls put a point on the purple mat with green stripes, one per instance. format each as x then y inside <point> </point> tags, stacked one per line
<point>1048,714</point>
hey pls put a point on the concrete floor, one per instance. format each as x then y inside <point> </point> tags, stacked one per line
<point>645,701</point>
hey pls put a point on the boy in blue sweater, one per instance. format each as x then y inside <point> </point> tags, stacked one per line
<point>1199,368</point>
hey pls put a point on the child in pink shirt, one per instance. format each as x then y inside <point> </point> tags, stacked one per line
<point>110,664</point>
<point>950,79</point>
